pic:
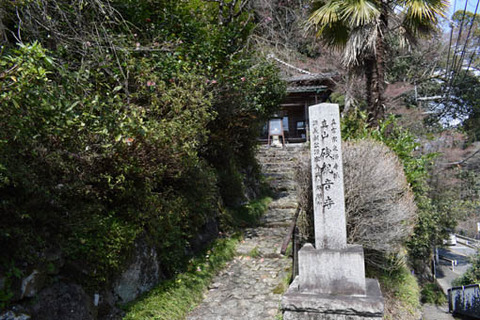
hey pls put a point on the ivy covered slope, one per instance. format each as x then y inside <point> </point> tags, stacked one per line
<point>122,120</point>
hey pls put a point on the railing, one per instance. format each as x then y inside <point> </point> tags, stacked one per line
<point>451,261</point>
<point>469,242</point>
<point>465,300</point>
<point>292,235</point>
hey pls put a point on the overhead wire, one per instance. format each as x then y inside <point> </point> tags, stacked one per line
<point>448,72</point>
<point>472,56</point>
<point>454,58</point>
<point>450,42</point>
<point>464,89</point>
<point>478,41</point>
<point>456,66</point>
<point>462,56</point>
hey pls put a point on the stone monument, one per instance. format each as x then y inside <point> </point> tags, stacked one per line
<point>331,283</point>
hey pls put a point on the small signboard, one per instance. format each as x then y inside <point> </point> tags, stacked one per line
<point>275,127</point>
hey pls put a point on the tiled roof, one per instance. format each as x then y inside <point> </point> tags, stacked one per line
<point>311,77</point>
<point>307,89</point>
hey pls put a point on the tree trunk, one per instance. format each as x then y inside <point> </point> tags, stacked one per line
<point>348,93</point>
<point>369,73</point>
<point>377,108</point>
<point>3,35</point>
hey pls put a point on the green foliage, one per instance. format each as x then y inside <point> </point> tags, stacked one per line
<point>245,90</point>
<point>399,140</point>
<point>248,214</point>
<point>103,240</point>
<point>254,253</point>
<point>460,108</point>
<point>175,298</point>
<point>399,287</point>
<point>245,97</point>
<point>12,274</point>
<point>338,98</point>
<point>467,93</point>
<point>467,19</point>
<point>134,130</point>
<point>455,194</point>
<point>432,293</point>
<point>361,30</point>
<point>87,171</point>
<point>412,64</point>
<point>404,286</point>
<point>472,276</point>
<point>282,287</point>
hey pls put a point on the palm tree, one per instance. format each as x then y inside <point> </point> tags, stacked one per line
<point>360,28</point>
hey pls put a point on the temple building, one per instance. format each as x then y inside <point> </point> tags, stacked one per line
<point>303,90</point>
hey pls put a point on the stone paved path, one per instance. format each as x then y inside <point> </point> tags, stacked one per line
<point>445,277</point>
<point>434,312</point>
<point>251,286</point>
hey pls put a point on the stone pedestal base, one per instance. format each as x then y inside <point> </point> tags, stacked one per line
<point>301,305</point>
<point>332,271</point>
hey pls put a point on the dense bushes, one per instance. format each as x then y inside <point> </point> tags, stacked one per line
<point>243,100</point>
<point>131,124</point>
<point>379,205</point>
<point>472,276</point>
<point>432,224</point>
<point>87,170</point>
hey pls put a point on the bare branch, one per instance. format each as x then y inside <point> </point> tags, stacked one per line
<point>379,204</point>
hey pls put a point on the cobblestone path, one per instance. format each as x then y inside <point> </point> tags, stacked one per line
<point>251,286</point>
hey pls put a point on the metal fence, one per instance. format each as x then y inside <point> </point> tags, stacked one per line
<point>465,300</point>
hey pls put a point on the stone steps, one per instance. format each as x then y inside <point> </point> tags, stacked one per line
<point>279,166</point>
<point>280,172</point>
<point>284,201</point>
<point>277,160</point>
<point>277,157</point>
<point>248,288</point>
<point>286,163</point>
<point>284,182</point>
<point>282,166</point>
<point>278,217</point>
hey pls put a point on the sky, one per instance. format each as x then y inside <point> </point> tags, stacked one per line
<point>456,5</point>
<point>460,5</point>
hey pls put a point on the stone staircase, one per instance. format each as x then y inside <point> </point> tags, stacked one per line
<point>278,167</point>
<point>251,285</point>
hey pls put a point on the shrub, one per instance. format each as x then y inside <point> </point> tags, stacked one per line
<point>433,223</point>
<point>85,172</point>
<point>134,122</point>
<point>379,205</point>
<point>472,276</point>
<point>432,293</point>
